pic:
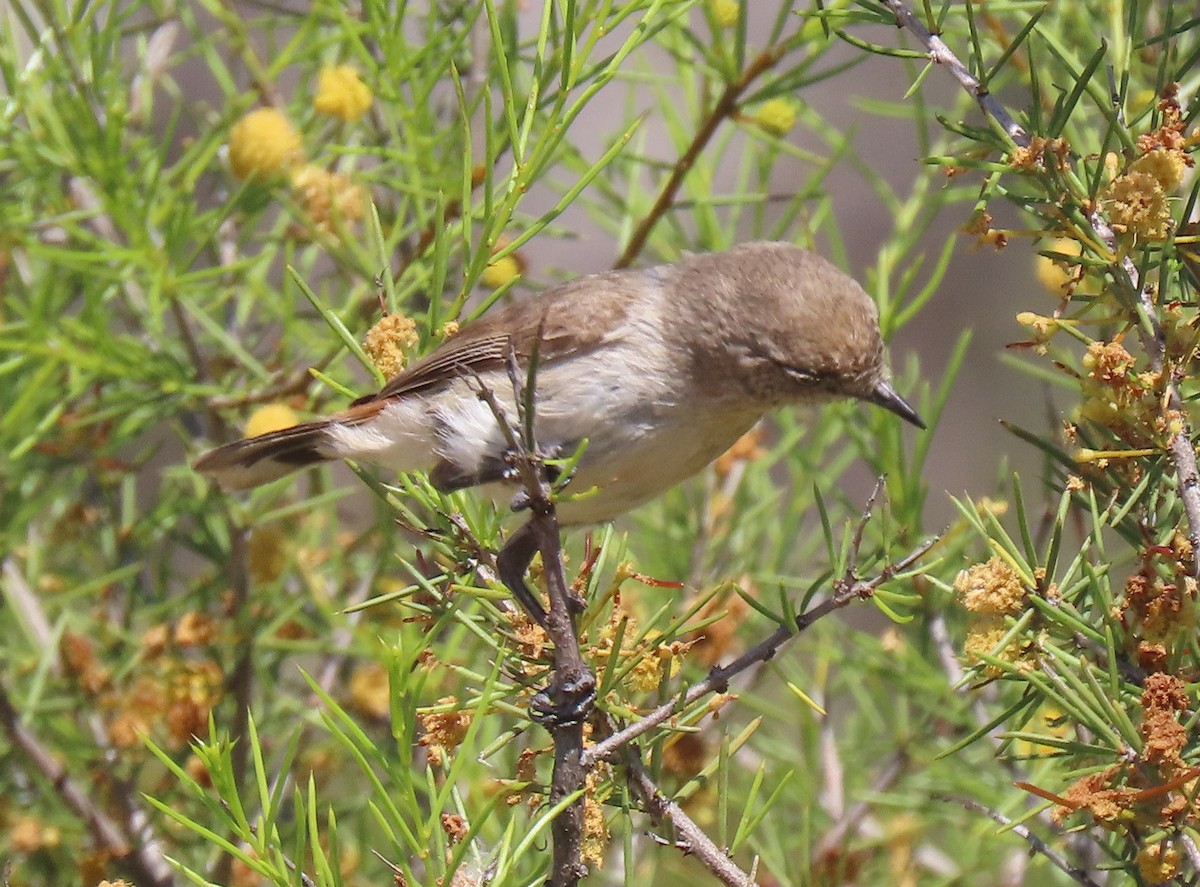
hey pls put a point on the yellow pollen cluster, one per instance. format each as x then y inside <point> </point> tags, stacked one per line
<point>341,93</point>
<point>1166,166</point>
<point>1158,863</point>
<point>1136,204</point>
<point>991,589</point>
<point>776,116</point>
<point>1108,362</point>
<point>388,342</point>
<point>327,197</point>
<point>263,144</point>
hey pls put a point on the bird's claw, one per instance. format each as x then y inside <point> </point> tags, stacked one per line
<point>565,702</point>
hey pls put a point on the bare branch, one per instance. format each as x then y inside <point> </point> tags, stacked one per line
<point>143,856</point>
<point>718,679</point>
<point>1035,843</point>
<point>693,839</point>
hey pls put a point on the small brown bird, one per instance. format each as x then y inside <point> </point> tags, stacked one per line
<point>659,370</point>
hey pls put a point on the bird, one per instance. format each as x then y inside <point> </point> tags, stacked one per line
<point>650,373</point>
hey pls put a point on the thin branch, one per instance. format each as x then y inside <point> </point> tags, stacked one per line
<point>694,840</point>
<point>725,107</point>
<point>844,591</point>
<point>942,55</point>
<point>1181,450</point>
<point>570,671</point>
<point>1035,843</point>
<point>851,818</point>
<point>149,867</point>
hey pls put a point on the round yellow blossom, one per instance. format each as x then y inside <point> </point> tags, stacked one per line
<point>1158,863</point>
<point>370,690</point>
<point>263,144</point>
<point>725,12</point>
<point>270,417</point>
<point>1056,274</point>
<point>388,341</point>
<point>1167,167</point>
<point>982,639</point>
<point>991,589</point>
<point>501,271</point>
<point>327,197</point>
<point>776,116</point>
<point>341,93</point>
<point>266,553</point>
<point>1136,204</point>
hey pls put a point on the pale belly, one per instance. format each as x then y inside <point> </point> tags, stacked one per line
<point>627,473</point>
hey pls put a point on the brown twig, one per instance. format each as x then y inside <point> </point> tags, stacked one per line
<point>693,839</point>
<point>148,866</point>
<point>1023,831</point>
<point>570,670</point>
<point>851,819</point>
<point>726,106</point>
<point>844,591</point>
<point>942,55</point>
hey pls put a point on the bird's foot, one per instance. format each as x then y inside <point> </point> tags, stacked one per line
<point>567,701</point>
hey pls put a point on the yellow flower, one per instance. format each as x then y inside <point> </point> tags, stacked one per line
<point>1158,863</point>
<point>776,116</point>
<point>370,689</point>
<point>1167,167</point>
<point>1055,274</point>
<point>327,196</point>
<point>501,271</point>
<point>982,638</point>
<point>341,93</point>
<point>271,417</point>
<point>725,12</point>
<point>387,342</point>
<point>263,144</point>
<point>1136,204</point>
<point>991,589</point>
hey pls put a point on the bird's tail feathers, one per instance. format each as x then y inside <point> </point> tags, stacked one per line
<point>258,460</point>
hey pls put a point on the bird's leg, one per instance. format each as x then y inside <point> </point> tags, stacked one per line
<point>570,697</point>
<point>512,562</point>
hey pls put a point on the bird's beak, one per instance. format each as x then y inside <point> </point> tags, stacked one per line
<point>885,396</point>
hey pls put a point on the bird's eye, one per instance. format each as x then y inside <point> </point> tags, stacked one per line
<point>806,377</point>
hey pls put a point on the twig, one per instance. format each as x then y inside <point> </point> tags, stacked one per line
<point>570,671</point>
<point>844,591</point>
<point>150,858</point>
<point>1182,453</point>
<point>241,679</point>
<point>1192,851</point>
<point>1035,843</point>
<point>149,867</point>
<point>725,107</point>
<point>695,841</point>
<point>941,54</point>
